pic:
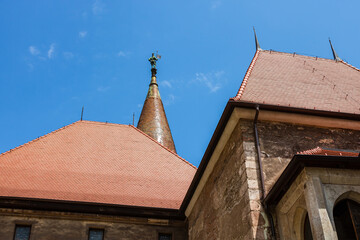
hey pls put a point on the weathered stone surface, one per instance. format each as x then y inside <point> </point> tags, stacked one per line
<point>222,210</point>
<point>315,193</point>
<point>279,142</point>
<point>59,226</point>
<point>231,196</point>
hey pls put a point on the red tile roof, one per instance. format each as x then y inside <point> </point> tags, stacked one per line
<point>96,162</point>
<point>298,81</point>
<point>329,152</point>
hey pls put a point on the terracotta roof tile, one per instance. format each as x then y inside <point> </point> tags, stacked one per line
<point>329,152</point>
<point>96,162</point>
<point>285,79</point>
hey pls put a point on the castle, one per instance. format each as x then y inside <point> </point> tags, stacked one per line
<point>283,163</point>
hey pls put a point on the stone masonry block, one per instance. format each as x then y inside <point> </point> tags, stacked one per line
<point>251,164</point>
<point>254,194</point>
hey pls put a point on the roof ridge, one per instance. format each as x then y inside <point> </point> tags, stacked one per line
<point>349,65</point>
<point>41,137</point>
<point>103,123</point>
<point>309,56</point>
<point>300,55</point>
<point>324,151</point>
<point>162,146</point>
<point>310,151</point>
<point>340,150</point>
<point>247,75</point>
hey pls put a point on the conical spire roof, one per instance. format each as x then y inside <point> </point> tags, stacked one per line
<point>153,119</point>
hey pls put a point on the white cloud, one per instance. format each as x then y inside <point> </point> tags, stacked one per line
<point>102,89</point>
<point>33,50</point>
<point>84,15</point>
<point>68,55</point>
<point>30,66</point>
<point>51,51</point>
<point>121,54</point>
<point>82,34</point>
<point>98,7</point>
<point>169,100</point>
<point>166,84</point>
<point>210,80</point>
<point>219,74</point>
<point>216,4</point>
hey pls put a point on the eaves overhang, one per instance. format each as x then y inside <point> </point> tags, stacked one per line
<point>90,208</point>
<point>287,109</point>
<point>298,163</point>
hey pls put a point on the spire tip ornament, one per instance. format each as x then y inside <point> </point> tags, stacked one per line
<point>336,57</point>
<point>153,59</point>
<point>256,41</point>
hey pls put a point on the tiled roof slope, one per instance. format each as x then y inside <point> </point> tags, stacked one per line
<point>298,81</point>
<point>329,152</point>
<point>96,162</point>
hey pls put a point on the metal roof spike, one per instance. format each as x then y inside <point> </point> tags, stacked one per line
<point>256,41</point>
<point>336,57</point>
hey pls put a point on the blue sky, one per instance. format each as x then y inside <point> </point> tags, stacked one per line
<point>56,56</point>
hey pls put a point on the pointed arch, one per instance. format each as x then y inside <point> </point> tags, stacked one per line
<point>352,195</point>
<point>301,224</point>
<point>346,213</point>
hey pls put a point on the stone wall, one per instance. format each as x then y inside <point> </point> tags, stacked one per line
<point>229,205</point>
<point>315,192</point>
<point>58,226</point>
<point>222,210</point>
<point>279,142</point>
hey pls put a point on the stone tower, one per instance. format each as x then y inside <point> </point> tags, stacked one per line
<point>153,119</point>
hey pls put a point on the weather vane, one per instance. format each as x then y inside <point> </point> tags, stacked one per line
<point>153,60</point>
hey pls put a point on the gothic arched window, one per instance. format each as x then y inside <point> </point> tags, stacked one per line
<point>307,229</point>
<point>347,219</point>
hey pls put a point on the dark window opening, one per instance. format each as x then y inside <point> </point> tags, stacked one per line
<point>347,219</point>
<point>165,236</point>
<point>22,232</point>
<point>307,229</point>
<point>96,234</point>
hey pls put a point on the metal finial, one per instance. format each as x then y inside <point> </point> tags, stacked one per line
<point>336,57</point>
<point>82,113</point>
<point>152,61</point>
<point>256,41</point>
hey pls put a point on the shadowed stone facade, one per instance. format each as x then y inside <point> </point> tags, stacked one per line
<point>71,226</point>
<point>222,210</point>
<point>229,205</point>
<point>315,192</point>
<point>279,142</point>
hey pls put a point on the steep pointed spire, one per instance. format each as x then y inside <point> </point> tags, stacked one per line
<point>336,57</point>
<point>256,41</point>
<point>153,119</point>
